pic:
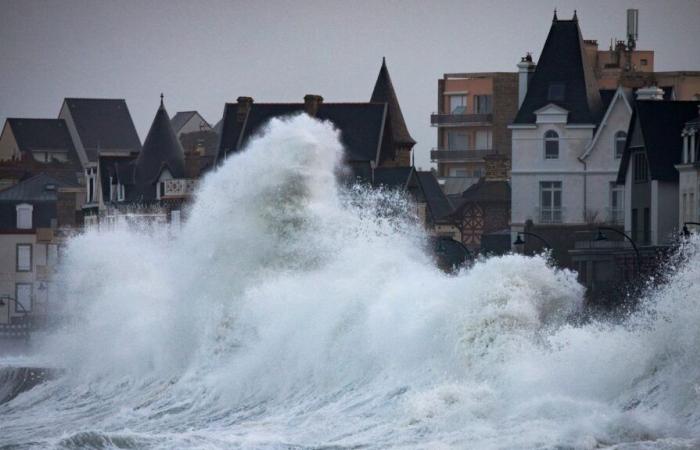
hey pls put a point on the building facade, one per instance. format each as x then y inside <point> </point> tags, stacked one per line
<point>689,174</point>
<point>474,110</point>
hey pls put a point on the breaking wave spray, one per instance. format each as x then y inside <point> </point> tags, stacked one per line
<point>292,312</point>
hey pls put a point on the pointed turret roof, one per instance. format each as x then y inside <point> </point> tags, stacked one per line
<point>563,77</point>
<point>384,93</point>
<point>160,150</point>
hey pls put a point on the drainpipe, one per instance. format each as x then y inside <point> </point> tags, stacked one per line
<point>585,186</point>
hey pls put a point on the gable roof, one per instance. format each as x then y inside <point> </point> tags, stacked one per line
<point>620,94</point>
<point>392,177</point>
<point>660,124</point>
<point>105,124</point>
<point>160,149</point>
<point>563,61</point>
<point>41,134</point>
<point>39,188</point>
<point>360,125</point>
<point>384,93</point>
<point>439,206</point>
<point>182,117</point>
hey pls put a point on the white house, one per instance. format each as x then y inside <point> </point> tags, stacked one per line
<point>689,174</point>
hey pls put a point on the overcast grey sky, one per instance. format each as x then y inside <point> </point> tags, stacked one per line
<point>202,54</point>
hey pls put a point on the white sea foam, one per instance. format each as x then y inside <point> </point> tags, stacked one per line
<point>291,311</point>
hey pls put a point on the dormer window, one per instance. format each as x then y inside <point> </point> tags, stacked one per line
<point>24,216</point>
<point>620,139</point>
<point>556,92</point>
<point>551,145</point>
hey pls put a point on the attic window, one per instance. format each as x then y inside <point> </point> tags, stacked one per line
<point>644,62</point>
<point>50,187</point>
<point>556,92</point>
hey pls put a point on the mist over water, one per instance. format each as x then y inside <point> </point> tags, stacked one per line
<point>291,311</point>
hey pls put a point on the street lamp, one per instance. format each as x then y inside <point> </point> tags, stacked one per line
<point>602,237</point>
<point>686,231</point>
<point>520,241</point>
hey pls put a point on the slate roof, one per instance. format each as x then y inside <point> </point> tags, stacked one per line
<point>105,124</point>
<point>181,117</point>
<point>384,93</point>
<point>392,177</point>
<point>34,189</point>
<point>360,125</point>
<point>656,125</point>
<point>487,191</point>
<point>439,206</point>
<point>161,149</point>
<point>563,60</point>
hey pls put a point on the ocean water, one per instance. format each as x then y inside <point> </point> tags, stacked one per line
<point>294,312</point>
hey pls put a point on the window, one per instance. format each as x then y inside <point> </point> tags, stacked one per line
<point>556,92</point>
<point>644,62</point>
<point>91,187</point>
<point>635,225</point>
<point>551,145</point>
<point>161,190</point>
<point>24,257</point>
<point>482,104</point>
<point>483,140</point>
<point>647,226</point>
<point>620,139</point>
<point>120,192</point>
<point>640,167</point>
<point>457,140</point>
<point>458,104</point>
<point>51,254</point>
<point>23,297</point>
<point>24,216</point>
<point>617,204</point>
<point>550,202</point>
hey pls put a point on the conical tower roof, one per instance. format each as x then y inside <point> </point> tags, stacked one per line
<point>384,93</point>
<point>160,150</point>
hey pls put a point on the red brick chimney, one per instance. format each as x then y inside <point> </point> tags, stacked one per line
<point>311,104</point>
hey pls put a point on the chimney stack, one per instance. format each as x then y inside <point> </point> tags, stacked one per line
<point>244,104</point>
<point>650,93</point>
<point>497,167</point>
<point>526,68</point>
<point>311,104</point>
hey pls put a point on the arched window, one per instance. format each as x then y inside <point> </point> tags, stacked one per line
<point>551,145</point>
<point>620,138</point>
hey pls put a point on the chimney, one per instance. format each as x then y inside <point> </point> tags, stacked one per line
<point>311,104</point>
<point>497,167</point>
<point>526,68</point>
<point>244,104</point>
<point>650,93</point>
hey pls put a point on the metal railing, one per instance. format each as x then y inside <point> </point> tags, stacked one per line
<point>442,154</point>
<point>550,215</point>
<point>179,187</point>
<point>460,119</point>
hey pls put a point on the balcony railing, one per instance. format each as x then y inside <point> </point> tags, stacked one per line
<point>441,119</point>
<point>616,216</point>
<point>550,215</point>
<point>444,155</point>
<point>179,188</point>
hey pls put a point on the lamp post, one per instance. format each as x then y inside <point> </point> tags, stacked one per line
<point>602,237</point>
<point>440,247</point>
<point>520,241</point>
<point>686,231</point>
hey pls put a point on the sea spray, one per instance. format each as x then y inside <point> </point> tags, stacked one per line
<point>294,311</point>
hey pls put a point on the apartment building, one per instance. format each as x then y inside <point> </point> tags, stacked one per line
<point>474,110</point>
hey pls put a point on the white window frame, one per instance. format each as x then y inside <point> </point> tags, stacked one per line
<point>617,213</point>
<point>547,139</point>
<point>616,139</point>
<point>120,192</point>
<point>20,256</point>
<point>27,223</point>
<point>463,105</point>
<point>26,303</point>
<point>551,213</point>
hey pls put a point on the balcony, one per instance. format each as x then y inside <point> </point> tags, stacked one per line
<point>458,120</point>
<point>444,155</point>
<point>179,188</point>
<point>616,216</point>
<point>550,215</point>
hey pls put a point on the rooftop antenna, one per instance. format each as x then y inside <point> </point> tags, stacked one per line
<point>632,28</point>
<point>554,19</point>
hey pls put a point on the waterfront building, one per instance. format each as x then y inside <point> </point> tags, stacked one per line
<point>689,174</point>
<point>473,113</point>
<point>649,173</point>
<point>188,122</point>
<point>35,219</point>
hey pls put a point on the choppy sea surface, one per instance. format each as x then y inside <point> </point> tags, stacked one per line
<point>294,312</point>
